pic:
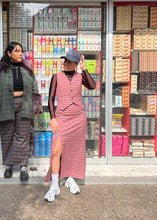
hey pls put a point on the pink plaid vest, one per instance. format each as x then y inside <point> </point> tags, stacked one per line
<point>68,92</point>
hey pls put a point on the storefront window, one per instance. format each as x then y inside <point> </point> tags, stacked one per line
<point>47,33</point>
<point>134,80</point>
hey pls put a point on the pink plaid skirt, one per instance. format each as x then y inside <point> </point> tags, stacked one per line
<point>72,136</point>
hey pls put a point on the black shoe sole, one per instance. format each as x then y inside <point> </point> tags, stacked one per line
<point>24,179</point>
<point>7,177</point>
<point>8,174</point>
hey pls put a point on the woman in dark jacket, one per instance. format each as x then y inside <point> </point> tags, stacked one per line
<point>18,92</point>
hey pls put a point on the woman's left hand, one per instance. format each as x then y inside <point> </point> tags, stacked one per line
<point>36,114</point>
<point>82,63</point>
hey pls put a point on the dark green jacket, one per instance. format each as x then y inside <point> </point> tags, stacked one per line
<point>30,87</point>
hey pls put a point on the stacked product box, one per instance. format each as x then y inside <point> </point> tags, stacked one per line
<point>125,96</point>
<point>148,148</point>
<point>4,19</point>
<point>142,82</point>
<point>92,130</point>
<point>104,46</point>
<point>18,16</point>
<point>89,40</point>
<point>53,46</point>
<point>122,69</point>
<point>134,61</point>
<point>140,17</point>
<point>126,70</point>
<point>136,147</point>
<point>56,20</point>
<point>43,85</point>
<point>151,104</point>
<point>142,147</point>
<point>135,111</point>
<point>30,41</point>
<point>28,55</point>
<point>133,84</point>
<point>104,71</point>
<point>119,145</point>
<point>117,101</point>
<point>143,103</point>
<point>5,40</point>
<point>153,17</point>
<point>118,69</point>
<point>147,61</point>
<point>19,22</point>
<point>140,126</point>
<point>117,120</point>
<point>47,67</point>
<point>123,18</point>
<point>42,122</point>
<point>145,39</point>
<point>95,92</point>
<point>121,45</point>
<point>89,18</point>
<point>42,143</point>
<point>19,35</point>
<point>147,82</point>
<point>91,106</point>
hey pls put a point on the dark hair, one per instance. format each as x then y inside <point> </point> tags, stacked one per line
<point>5,58</point>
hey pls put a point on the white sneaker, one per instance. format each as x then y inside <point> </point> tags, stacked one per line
<point>70,183</point>
<point>50,195</point>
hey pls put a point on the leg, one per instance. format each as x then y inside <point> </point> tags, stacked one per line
<point>21,137</point>
<point>7,130</point>
<point>21,141</point>
<point>21,144</point>
<point>56,157</point>
<point>54,188</point>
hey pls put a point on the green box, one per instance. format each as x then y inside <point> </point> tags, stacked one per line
<point>90,65</point>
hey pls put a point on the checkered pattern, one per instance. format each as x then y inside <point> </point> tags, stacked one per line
<point>15,137</point>
<point>72,132</point>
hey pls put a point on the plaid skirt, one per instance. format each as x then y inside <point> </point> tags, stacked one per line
<point>72,135</point>
<point>15,137</point>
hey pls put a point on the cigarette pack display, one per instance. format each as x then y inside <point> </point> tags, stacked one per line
<point>153,17</point>
<point>123,17</point>
<point>121,45</point>
<point>140,16</point>
<point>133,84</point>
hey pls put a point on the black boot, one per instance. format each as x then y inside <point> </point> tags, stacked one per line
<point>8,172</point>
<point>24,174</point>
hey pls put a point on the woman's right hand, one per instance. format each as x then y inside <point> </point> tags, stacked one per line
<point>54,126</point>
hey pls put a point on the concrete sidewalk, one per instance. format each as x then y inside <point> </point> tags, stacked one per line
<point>95,174</point>
<point>95,202</point>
